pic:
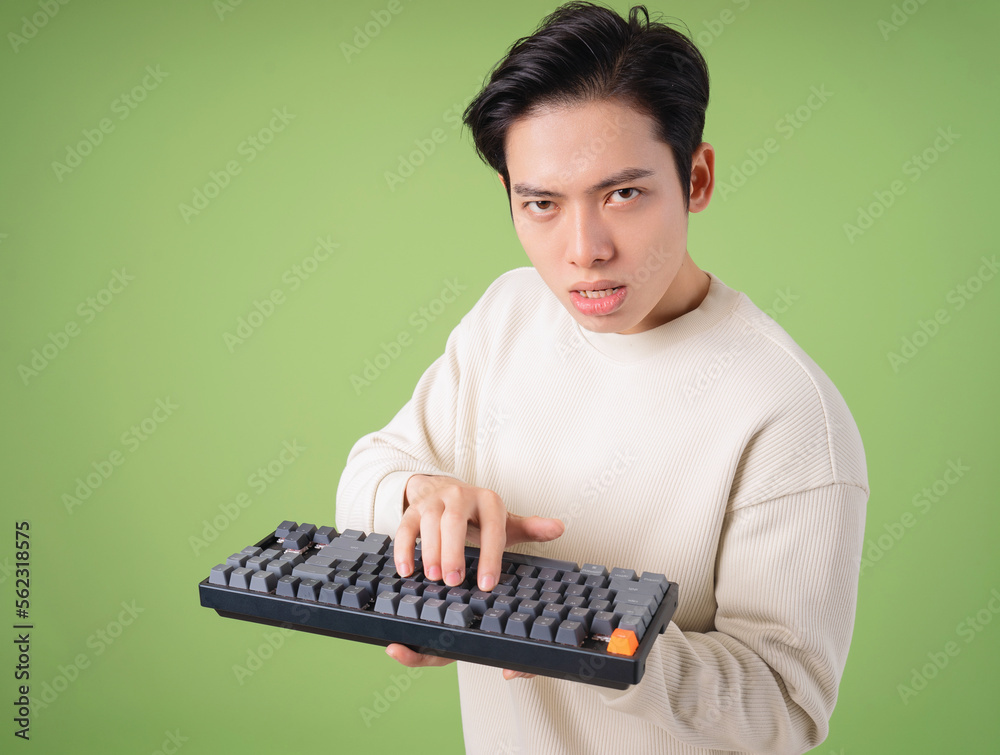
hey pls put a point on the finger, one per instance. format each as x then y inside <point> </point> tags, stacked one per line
<point>430,540</point>
<point>454,526</point>
<point>404,540</point>
<point>411,658</point>
<point>532,529</point>
<point>508,674</point>
<point>492,540</point>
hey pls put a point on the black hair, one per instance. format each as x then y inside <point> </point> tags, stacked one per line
<point>585,52</point>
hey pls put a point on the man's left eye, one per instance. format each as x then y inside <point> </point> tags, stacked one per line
<point>625,195</point>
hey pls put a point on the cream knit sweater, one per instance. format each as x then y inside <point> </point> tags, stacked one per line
<point>711,449</point>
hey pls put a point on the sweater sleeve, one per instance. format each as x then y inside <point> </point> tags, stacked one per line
<point>766,679</point>
<point>420,439</point>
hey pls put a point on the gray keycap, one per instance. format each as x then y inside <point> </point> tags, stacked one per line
<point>287,586</point>
<point>411,587</point>
<point>324,535</point>
<point>604,623</point>
<point>240,578</point>
<point>309,589</point>
<point>263,581</point>
<point>330,593</point>
<point>435,591</point>
<point>308,571</point>
<point>581,590</point>
<point>296,540</point>
<point>493,620</point>
<point>458,615</point>
<point>458,595</point>
<point>237,560</point>
<point>272,553</point>
<point>220,575</point>
<point>550,574</point>
<point>506,603</point>
<point>433,610</point>
<point>584,615</point>
<point>344,577</point>
<point>481,601</point>
<point>281,568</point>
<point>622,574</point>
<point>258,563</point>
<point>307,529</point>
<point>387,602</point>
<point>532,607</point>
<point>252,550</point>
<point>634,623</point>
<point>594,570</point>
<point>555,610</point>
<point>284,528</point>
<point>659,580</point>
<point>571,633</point>
<point>320,560</point>
<point>574,601</point>
<point>639,588</point>
<point>519,624</point>
<point>526,571</point>
<point>410,606</point>
<point>355,596</point>
<point>526,594</point>
<point>353,535</point>
<point>544,628</point>
<point>392,584</point>
<point>292,557</point>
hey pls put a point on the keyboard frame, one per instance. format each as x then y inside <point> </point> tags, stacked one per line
<point>579,664</point>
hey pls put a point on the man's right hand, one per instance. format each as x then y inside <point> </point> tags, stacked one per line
<point>445,512</point>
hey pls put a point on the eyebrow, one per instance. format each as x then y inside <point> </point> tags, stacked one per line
<point>622,176</point>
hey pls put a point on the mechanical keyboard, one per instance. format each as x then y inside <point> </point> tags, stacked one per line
<point>556,618</point>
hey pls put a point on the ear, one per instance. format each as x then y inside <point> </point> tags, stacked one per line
<point>500,176</point>
<point>702,177</point>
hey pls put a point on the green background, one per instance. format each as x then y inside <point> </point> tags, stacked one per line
<point>780,237</point>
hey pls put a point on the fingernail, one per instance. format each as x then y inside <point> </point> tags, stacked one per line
<point>453,577</point>
<point>433,573</point>
<point>403,569</point>
<point>487,582</point>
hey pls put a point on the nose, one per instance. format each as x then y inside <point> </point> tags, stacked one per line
<point>589,241</point>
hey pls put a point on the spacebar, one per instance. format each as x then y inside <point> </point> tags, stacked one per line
<point>521,558</point>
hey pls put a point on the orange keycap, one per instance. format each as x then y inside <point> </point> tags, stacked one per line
<point>623,642</point>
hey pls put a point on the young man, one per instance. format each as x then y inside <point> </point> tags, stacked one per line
<point>625,407</point>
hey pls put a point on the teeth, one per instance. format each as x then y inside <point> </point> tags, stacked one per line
<point>597,294</point>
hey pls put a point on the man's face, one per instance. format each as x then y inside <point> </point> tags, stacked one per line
<point>599,210</point>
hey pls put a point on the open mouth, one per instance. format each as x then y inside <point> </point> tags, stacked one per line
<point>599,294</point>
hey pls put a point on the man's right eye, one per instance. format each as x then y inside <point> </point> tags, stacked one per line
<point>538,206</point>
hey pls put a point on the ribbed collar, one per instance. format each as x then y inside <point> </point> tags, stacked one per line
<point>718,302</point>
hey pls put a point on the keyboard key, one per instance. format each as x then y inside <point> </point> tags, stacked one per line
<point>287,585</point>
<point>409,606</point>
<point>623,642</point>
<point>519,624</point>
<point>296,540</point>
<point>252,550</point>
<point>493,620</point>
<point>240,578</point>
<point>355,596</point>
<point>263,581</point>
<point>433,610</point>
<point>307,529</point>
<point>556,610</point>
<point>307,571</point>
<point>280,568</point>
<point>584,615</point>
<point>220,575</point>
<point>533,608</point>
<point>458,615</point>
<point>330,593</point>
<point>309,589</point>
<point>324,535</point>
<point>628,574</point>
<point>594,570</point>
<point>284,528</point>
<point>544,628</point>
<point>604,623</point>
<point>526,571</point>
<point>412,588</point>
<point>481,601</point>
<point>571,633</point>
<point>458,595</point>
<point>237,560</point>
<point>387,602</point>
